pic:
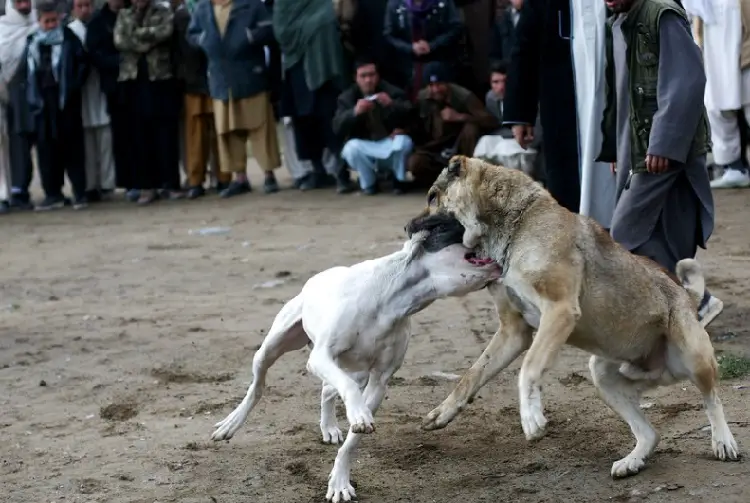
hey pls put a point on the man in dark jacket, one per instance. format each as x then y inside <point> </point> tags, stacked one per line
<point>105,58</point>
<point>200,138</point>
<point>57,71</point>
<point>371,117</point>
<point>540,79</point>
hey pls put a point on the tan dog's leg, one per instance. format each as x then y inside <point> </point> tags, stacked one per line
<point>623,396</point>
<point>555,326</point>
<point>694,356</point>
<point>512,338</point>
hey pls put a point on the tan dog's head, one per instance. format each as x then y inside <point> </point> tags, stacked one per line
<point>480,194</point>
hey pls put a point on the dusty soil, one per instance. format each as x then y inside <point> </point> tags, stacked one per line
<point>124,338</point>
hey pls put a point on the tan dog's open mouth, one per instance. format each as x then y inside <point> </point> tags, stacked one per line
<point>473,259</point>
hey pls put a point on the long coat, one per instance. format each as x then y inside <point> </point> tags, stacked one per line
<point>541,76</point>
<point>236,61</point>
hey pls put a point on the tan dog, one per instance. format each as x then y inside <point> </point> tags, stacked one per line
<point>565,278</point>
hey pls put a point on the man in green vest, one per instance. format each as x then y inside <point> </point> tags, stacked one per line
<point>656,135</point>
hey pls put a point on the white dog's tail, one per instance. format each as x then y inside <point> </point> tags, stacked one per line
<point>286,334</point>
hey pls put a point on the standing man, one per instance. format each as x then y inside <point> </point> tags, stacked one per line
<point>233,34</point>
<point>656,130</point>
<point>18,23</point>
<point>100,162</point>
<point>105,58</point>
<point>371,118</point>
<point>726,42</point>
<point>201,145</point>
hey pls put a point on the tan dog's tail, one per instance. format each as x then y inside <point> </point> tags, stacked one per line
<point>690,274</point>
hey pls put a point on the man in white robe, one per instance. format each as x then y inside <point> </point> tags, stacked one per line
<point>726,48</point>
<point>598,187</point>
<point>100,161</point>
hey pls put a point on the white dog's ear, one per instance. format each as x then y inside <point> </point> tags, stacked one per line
<point>414,246</point>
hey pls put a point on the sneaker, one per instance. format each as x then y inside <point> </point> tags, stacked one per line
<point>732,179</point>
<point>132,195</point>
<point>235,189</point>
<point>81,203</point>
<point>51,203</point>
<point>196,192</point>
<point>709,309</point>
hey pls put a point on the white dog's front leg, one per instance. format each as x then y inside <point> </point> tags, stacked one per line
<point>339,482</point>
<point>329,426</point>
<point>322,365</point>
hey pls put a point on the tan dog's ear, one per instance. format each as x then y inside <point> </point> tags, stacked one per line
<point>455,167</point>
<point>433,199</point>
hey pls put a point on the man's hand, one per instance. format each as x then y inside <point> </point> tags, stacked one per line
<point>524,134</point>
<point>613,167</point>
<point>420,48</point>
<point>397,132</point>
<point>656,164</point>
<point>450,115</point>
<point>383,99</point>
<point>363,106</point>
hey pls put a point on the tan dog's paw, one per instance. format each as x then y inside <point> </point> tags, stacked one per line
<point>440,417</point>
<point>627,466</point>
<point>533,422</point>
<point>725,449</point>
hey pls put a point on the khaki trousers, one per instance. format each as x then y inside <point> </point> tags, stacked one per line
<point>239,120</point>
<point>201,145</point>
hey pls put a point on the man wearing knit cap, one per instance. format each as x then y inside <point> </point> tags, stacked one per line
<point>451,121</point>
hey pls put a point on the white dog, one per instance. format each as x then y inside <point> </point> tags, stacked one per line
<point>358,321</point>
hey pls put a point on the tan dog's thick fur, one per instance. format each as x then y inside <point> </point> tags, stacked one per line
<point>567,280</point>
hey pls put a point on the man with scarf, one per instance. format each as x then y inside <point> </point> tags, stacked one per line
<point>56,73</point>
<point>16,25</point>
<point>314,75</point>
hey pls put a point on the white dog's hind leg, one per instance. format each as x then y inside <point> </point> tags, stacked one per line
<point>623,396</point>
<point>328,423</point>
<point>322,365</point>
<point>339,481</point>
<point>286,335</point>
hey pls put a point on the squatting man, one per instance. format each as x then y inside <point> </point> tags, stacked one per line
<point>357,321</point>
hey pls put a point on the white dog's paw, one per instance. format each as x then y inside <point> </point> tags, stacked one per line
<point>227,427</point>
<point>339,487</point>
<point>440,416</point>
<point>331,434</point>
<point>361,420</point>
<point>627,466</point>
<point>533,422</point>
<point>725,447</point>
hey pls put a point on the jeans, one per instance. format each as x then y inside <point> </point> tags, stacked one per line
<point>367,157</point>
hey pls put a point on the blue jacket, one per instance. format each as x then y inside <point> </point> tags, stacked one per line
<point>237,61</point>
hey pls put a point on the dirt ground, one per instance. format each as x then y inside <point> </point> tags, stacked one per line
<point>124,337</point>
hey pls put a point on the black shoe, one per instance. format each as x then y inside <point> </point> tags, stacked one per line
<point>220,187</point>
<point>21,202</point>
<point>235,189</point>
<point>93,196</point>
<point>401,187</point>
<point>270,186</point>
<point>51,203</point>
<point>306,183</point>
<point>4,207</point>
<point>196,192</point>
<point>370,191</point>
